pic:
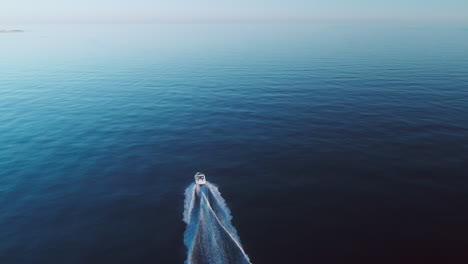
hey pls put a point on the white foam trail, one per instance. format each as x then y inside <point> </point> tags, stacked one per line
<point>189,202</point>
<point>210,237</point>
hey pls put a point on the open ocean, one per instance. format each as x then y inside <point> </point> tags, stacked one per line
<point>330,143</point>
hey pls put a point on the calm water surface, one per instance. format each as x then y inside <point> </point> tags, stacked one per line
<point>331,143</point>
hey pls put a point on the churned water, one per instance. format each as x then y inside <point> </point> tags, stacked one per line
<point>331,143</point>
<point>210,236</point>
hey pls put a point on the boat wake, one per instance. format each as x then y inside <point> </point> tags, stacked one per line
<point>210,237</point>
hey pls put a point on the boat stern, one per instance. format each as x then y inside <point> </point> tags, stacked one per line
<point>200,178</point>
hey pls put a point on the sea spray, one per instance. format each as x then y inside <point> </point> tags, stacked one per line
<point>210,237</point>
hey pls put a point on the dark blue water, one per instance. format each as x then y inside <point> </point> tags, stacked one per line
<point>331,143</point>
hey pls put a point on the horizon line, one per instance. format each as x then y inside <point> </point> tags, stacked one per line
<point>239,21</point>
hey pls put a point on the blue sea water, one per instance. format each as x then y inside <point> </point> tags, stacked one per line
<point>331,143</point>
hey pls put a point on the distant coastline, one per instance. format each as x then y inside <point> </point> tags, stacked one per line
<point>10,31</point>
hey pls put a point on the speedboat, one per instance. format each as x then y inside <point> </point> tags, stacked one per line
<point>200,178</point>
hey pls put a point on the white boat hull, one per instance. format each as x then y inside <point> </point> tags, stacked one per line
<point>200,178</point>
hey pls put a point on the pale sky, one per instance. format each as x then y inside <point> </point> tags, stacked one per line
<point>147,11</point>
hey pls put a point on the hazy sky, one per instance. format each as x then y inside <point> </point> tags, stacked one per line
<point>120,11</point>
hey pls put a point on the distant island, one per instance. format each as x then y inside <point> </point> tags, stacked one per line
<point>10,31</point>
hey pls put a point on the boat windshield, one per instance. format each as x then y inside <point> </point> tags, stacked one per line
<point>200,177</point>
